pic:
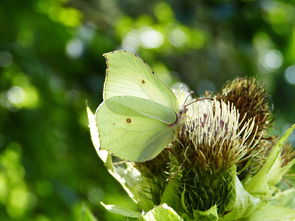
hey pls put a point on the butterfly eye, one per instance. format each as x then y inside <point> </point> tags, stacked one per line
<point>142,81</point>
<point>128,120</point>
<point>183,110</point>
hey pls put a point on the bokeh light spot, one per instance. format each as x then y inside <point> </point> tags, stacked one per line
<point>197,38</point>
<point>70,16</point>
<point>73,96</point>
<point>163,12</point>
<point>271,59</point>
<point>130,41</point>
<point>290,74</point>
<point>23,96</point>
<point>25,37</point>
<point>178,37</point>
<point>18,201</point>
<point>151,38</point>
<point>16,95</point>
<point>3,188</point>
<point>74,48</point>
<point>14,193</point>
<point>87,32</point>
<point>6,59</point>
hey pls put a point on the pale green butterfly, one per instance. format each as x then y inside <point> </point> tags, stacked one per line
<point>140,114</point>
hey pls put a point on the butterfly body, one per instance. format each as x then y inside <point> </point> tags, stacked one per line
<point>179,116</point>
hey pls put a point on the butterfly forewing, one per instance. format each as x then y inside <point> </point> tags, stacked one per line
<point>129,75</point>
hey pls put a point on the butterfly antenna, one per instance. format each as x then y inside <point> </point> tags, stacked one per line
<point>199,99</point>
<point>190,93</point>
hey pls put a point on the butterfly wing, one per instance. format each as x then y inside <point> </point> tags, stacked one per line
<point>133,128</point>
<point>129,75</point>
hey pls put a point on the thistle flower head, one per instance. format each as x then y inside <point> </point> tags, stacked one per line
<point>220,134</point>
<point>250,99</point>
<point>214,135</point>
<point>210,142</point>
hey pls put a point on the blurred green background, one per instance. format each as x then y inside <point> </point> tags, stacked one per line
<point>50,63</point>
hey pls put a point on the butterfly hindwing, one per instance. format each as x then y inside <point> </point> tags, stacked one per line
<point>133,128</point>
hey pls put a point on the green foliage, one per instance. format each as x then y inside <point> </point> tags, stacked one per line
<point>162,212</point>
<point>272,213</point>
<point>241,203</point>
<point>208,215</point>
<point>122,211</point>
<point>272,171</point>
<point>86,214</point>
<point>50,63</point>
<point>14,193</point>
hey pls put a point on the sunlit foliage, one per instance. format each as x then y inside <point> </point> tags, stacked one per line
<point>51,63</point>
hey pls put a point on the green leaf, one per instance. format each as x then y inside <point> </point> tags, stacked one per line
<point>270,173</point>
<point>272,213</point>
<point>121,211</point>
<point>170,195</point>
<point>277,172</point>
<point>208,215</point>
<point>86,214</point>
<point>241,204</point>
<point>162,212</point>
<point>103,154</point>
<point>130,178</point>
<point>285,199</point>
